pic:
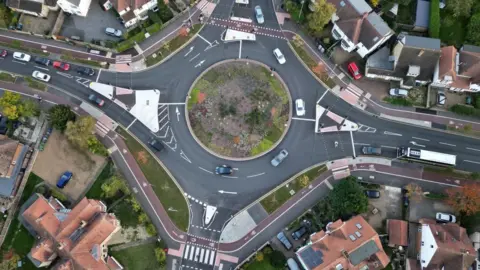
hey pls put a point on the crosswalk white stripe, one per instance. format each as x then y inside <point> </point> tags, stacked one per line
<point>185,255</point>
<point>197,251</point>
<point>201,255</point>
<point>192,251</point>
<point>207,252</point>
<point>212,257</point>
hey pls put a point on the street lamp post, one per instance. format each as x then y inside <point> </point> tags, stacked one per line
<point>301,9</point>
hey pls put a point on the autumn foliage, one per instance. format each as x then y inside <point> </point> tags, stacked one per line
<point>465,199</point>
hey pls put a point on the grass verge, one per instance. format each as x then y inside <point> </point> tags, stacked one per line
<point>81,61</point>
<point>32,83</point>
<point>6,77</point>
<point>139,257</point>
<point>171,46</point>
<point>17,45</point>
<point>449,172</point>
<point>95,191</point>
<point>467,130</point>
<point>400,101</point>
<point>163,186</point>
<point>276,199</point>
<point>193,99</point>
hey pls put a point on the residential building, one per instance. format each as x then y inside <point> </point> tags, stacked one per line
<point>352,244</point>
<point>358,27</point>
<point>39,8</point>
<point>131,12</point>
<point>77,7</point>
<point>443,246</point>
<point>12,155</point>
<point>397,233</point>
<point>76,238</point>
<point>412,61</point>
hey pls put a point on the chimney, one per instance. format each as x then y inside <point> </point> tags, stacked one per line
<point>83,224</point>
<point>365,15</point>
<point>61,245</point>
<point>421,53</point>
<point>345,254</point>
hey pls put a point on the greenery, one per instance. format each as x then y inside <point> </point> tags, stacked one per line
<point>130,42</point>
<point>348,198</point>
<point>60,115</point>
<point>154,17</point>
<point>406,12</point>
<point>5,15</point>
<point>294,9</point>
<point>434,23</point>
<point>452,29</point>
<point>163,186</point>
<point>32,83</point>
<point>152,29</point>
<point>464,110</point>
<point>161,256</point>
<point>193,99</point>
<point>81,134</point>
<point>96,191</point>
<point>267,259</point>
<point>141,257</point>
<point>436,196</point>
<point>473,30</point>
<point>460,8</point>
<point>6,77</point>
<point>70,58</point>
<point>164,11</point>
<point>13,107</point>
<point>320,16</point>
<point>400,101</point>
<point>17,45</point>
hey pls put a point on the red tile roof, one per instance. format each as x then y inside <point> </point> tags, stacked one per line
<point>397,232</point>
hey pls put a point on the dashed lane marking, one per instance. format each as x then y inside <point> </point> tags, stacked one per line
<point>207,229</point>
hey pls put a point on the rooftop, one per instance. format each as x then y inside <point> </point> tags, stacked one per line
<point>397,232</point>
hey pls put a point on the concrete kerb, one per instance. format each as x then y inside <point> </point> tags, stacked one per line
<point>231,158</point>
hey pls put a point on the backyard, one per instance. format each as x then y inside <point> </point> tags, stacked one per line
<point>140,257</point>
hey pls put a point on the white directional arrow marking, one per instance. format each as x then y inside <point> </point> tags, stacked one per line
<point>182,154</point>
<point>227,192</point>
<point>189,51</point>
<point>178,113</point>
<point>200,63</point>
<point>416,144</point>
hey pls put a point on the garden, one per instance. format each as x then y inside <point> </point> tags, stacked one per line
<point>266,259</point>
<point>238,110</point>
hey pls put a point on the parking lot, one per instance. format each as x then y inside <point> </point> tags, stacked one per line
<point>389,206</point>
<point>427,208</point>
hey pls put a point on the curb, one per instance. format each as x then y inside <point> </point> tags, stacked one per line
<point>187,118</point>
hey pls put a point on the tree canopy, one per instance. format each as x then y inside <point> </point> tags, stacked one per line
<point>321,15</point>
<point>60,115</point>
<point>460,8</point>
<point>465,199</point>
<point>160,255</point>
<point>348,198</point>
<point>473,30</point>
<point>13,107</point>
<point>80,131</point>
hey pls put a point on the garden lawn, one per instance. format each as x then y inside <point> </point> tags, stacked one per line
<point>33,83</point>
<point>452,30</point>
<point>193,99</point>
<point>311,63</point>
<point>273,201</point>
<point>139,257</point>
<point>263,265</point>
<point>163,186</point>
<point>95,191</point>
<point>125,213</point>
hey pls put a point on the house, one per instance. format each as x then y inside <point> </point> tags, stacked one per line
<point>39,8</point>
<point>459,70</point>
<point>352,244</point>
<point>397,233</point>
<point>443,246</point>
<point>131,12</point>
<point>77,7</point>
<point>412,61</point>
<point>76,238</point>
<point>358,27</point>
<point>12,155</point>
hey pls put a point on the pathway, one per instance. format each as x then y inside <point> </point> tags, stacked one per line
<point>135,243</point>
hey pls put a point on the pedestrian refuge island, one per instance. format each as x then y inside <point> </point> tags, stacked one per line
<point>234,35</point>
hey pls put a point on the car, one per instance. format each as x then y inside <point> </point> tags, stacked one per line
<point>4,53</point>
<point>441,98</point>
<point>279,158</point>
<point>447,218</point>
<point>284,240</point>
<point>298,233</point>
<point>259,15</point>
<point>61,65</point>
<point>292,264</point>
<point>41,76</point>
<point>113,32</point>
<point>42,61</point>
<point>158,146</point>
<point>354,71</point>
<point>64,179</point>
<point>372,193</point>
<point>223,170</point>
<point>21,57</point>
<point>370,150</point>
<point>279,55</point>
<point>96,100</point>
<point>397,92</point>
<point>85,71</point>
<point>300,107</point>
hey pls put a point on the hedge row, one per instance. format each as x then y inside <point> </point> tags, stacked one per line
<point>434,24</point>
<point>465,110</point>
<point>154,28</point>
<point>129,43</point>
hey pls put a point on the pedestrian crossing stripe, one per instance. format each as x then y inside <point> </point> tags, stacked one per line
<point>198,254</point>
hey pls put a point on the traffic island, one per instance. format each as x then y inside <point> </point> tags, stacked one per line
<point>238,110</point>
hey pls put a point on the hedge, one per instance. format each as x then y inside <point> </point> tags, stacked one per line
<point>154,17</point>
<point>129,43</point>
<point>465,110</point>
<point>154,28</point>
<point>434,24</point>
<point>164,11</point>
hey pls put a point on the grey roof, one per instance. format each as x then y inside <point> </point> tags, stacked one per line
<point>379,24</point>
<point>470,48</point>
<point>422,42</point>
<point>360,6</point>
<point>422,16</point>
<point>363,252</point>
<point>381,60</point>
<point>26,5</point>
<point>74,2</point>
<point>7,184</point>
<point>373,29</point>
<point>312,258</point>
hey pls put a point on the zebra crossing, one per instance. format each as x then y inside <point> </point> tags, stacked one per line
<point>199,255</point>
<point>123,59</point>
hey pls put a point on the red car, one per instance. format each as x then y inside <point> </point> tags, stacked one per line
<point>61,65</point>
<point>353,69</point>
<point>4,53</point>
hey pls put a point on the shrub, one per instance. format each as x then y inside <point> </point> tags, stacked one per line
<point>398,101</point>
<point>151,229</point>
<point>434,24</point>
<point>464,110</point>
<point>154,17</point>
<point>154,28</point>
<point>164,11</point>
<point>130,42</point>
<point>473,30</point>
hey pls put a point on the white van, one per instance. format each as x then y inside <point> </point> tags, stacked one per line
<point>292,264</point>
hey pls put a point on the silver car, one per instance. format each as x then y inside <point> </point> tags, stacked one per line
<point>279,158</point>
<point>259,15</point>
<point>397,92</point>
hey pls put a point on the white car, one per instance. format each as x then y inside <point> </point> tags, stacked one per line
<point>441,98</point>
<point>449,218</point>
<point>300,107</point>
<point>259,15</point>
<point>279,55</point>
<point>41,76</point>
<point>397,92</point>
<point>21,56</point>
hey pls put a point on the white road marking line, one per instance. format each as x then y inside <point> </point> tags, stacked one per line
<point>204,39</point>
<point>191,59</point>
<point>469,161</point>
<point>240,51</point>
<point>392,133</point>
<point>473,149</point>
<point>65,75</point>
<point>421,139</point>
<point>205,170</point>
<point>255,175</point>
<point>353,147</point>
<point>226,176</point>
<point>44,68</point>
<point>182,154</point>
<point>19,62</point>
<point>98,75</point>
<point>449,144</point>
<point>185,254</point>
<point>386,146</point>
<point>366,144</point>
<point>303,119</point>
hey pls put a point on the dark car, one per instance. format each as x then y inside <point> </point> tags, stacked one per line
<point>42,61</point>
<point>96,99</point>
<point>372,194</point>
<point>283,238</point>
<point>224,170</point>
<point>297,234</point>
<point>370,150</point>
<point>156,145</point>
<point>4,53</point>
<point>85,71</point>
<point>66,176</point>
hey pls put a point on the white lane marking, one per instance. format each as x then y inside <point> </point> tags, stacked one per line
<point>303,119</point>
<point>65,75</point>
<point>191,59</point>
<point>255,175</point>
<point>473,149</point>
<point>182,154</point>
<point>204,39</point>
<point>416,144</point>
<point>386,146</point>
<point>205,170</point>
<point>449,144</point>
<point>98,75</point>
<point>392,133</point>
<point>19,62</point>
<point>240,51</point>
<point>469,161</point>
<point>366,144</point>
<point>187,248</point>
<point>421,139</point>
<point>353,147</point>
<point>44,68</point>
<point>324,93</point>
<point>226,176</point>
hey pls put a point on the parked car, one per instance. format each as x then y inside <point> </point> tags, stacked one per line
<point>259,15</point>
<point>279,158</point>
<point>284,240</point>
<point>85,71</point>
<point>42,61</point>
<point>292,264</point>
<point>297,234</point>
<point>441,98</point>
<point>41,76</point>
<point>223,170</point>
<point>4,53</point>
<point>96,100</point>
<point>397,92</point>
<point>300,107</point>
<point>113,32</point>
<point>370,150</point>
<point>61,65</point>
<point>156,145</point>
<point>442,217</point>
<point>279,55</point>
<point>64,179</point>
<point>354,71</point>
<point>372,194</point>
<point>21,57</point>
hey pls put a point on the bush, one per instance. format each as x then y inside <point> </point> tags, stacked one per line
<point>277,259</point>
<point>473,30</point>
<point>164,11</point>
<point>151,229</point>
<point>154,28</point>
<point>476,103</point>
<point>130,42</point>
<point>464,110</point>
<point>434,24</point>
<point>398,101</point>
<point>154,17</point>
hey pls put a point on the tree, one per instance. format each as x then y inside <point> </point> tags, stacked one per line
<point>135,205</point>
<point>304,181</point>
<point>473,30</point>
<point>60,115</point>
<point>29,108</point>
<point>80,131</point>
<point>374,2</point>
<point>164,11</point>
<point>160,255</point>
<point>9,103</point>
<point>143,218</point>
<point>259,257</point>
<point>277,259</point>
<point>465,199</point>
<point>414,192</point>
<point>460,8</point>
<point>434,23</point>
<point>96,147</point>
<point>321,15</point>
<point>297,41</point>
<point>348,198</point>
<point>150,229</point>
<point>113,186</point>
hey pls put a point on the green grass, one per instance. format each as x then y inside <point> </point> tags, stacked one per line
<point>138,258</point>
<point>95,191</point>
<point>193,98</point>
<point>452,30</point>
<point>273,201</point>
<point>6,77</point>
<point>163,186</point>
<point>173,45</point>
<point>446,171</point>
<point>398,101</point>
<point>277,86</point>
<point>125,213</point>
<point>263,146</point>
<point>32,83</point>
<point>263,265</point>
<point>18,46</point>
<point>81,61</point>
<point>436,196</point>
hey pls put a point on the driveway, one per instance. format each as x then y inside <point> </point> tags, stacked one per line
<point>389,206</point>
<point>426,208</point>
